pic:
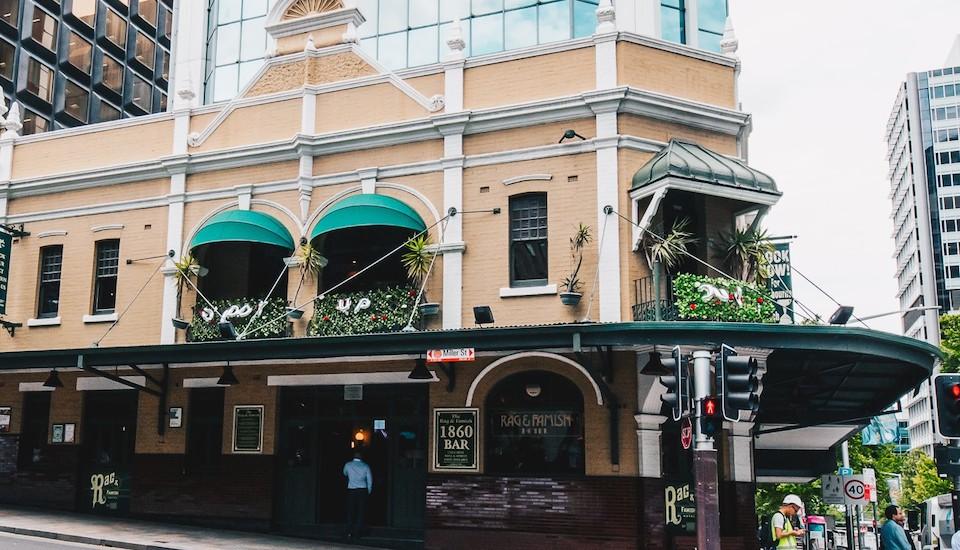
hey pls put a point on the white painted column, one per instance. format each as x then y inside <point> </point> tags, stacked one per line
<point>605,46</point>
<point>175,216</point>
<point>741,451</point>
<point>308,114</point>
<point>189,49</point>
<point>6,171</point>
<point>627,14</point>
<point>305,179</point>
<point>452,306</point>
<point>691,23</point>
<point>649,441</point>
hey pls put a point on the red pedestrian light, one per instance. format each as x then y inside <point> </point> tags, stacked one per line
<point>955,391</point>
<point>710,406</point>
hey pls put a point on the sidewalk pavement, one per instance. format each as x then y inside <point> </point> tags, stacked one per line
<point>145,535</point>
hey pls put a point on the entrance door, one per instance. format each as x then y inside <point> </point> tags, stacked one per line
<point>319,432</point>
<point>106,453</point>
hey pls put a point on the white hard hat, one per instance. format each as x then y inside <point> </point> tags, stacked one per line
<point>793,499</point>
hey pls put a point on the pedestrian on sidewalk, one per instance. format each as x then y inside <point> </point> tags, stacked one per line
<point>784,533</point>
<point>892,535</point>
<point>359,486</point>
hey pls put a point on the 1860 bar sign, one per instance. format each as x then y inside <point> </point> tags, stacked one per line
<point>455,439</point>
<point>6,240</point>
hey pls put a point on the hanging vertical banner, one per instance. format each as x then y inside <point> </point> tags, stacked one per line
<point>6,240</point>
<point>781,281</point>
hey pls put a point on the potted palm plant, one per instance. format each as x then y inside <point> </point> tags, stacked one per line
<point>745,254</point>
<point>571,283</point>
<point>667,252</point>
<point>417,259</point>
<point>311,262</point>
<point>187,267</point>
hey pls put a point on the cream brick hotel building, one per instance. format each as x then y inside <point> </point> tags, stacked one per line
<point>207,310</point>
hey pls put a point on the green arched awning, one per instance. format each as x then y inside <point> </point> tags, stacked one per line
<point>243,226</point>
<point>368,210</point>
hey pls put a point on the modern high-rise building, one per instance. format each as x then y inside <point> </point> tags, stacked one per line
<point>84,61</point>
<point>923,138</point>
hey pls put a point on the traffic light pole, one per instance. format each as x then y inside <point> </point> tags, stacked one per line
<point>704,461</point>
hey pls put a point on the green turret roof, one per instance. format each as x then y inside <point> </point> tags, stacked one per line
<point>687,160</point>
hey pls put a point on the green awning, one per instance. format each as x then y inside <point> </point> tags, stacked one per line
<point>243,226</point>
<point>368,210</point>
<point>693,162</point>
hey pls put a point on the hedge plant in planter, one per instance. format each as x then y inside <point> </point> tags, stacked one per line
<point>364,311</point>
<point>271,323</point>
<point>700,298</point>
<point>570,296</point>
<point>417,259</point>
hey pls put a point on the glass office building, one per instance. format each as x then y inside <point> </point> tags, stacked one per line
<point>412,33</point>
<point>75,62</point>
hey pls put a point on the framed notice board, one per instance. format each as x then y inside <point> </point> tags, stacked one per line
<point>248,428</point>
<point>455,436</point>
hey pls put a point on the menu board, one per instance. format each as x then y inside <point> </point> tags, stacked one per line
<point>248,428</point>
<point>455,435</point>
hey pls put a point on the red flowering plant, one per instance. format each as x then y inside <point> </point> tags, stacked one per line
<point>363,312</point>
<point>700,298</point>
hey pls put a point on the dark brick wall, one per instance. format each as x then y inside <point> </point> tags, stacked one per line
<point>238,493</point>
<point>51,483</point>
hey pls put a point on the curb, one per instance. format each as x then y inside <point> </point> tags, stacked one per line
<point>84,540</point>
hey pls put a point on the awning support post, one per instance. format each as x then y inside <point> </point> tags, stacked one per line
<point>162,401</point>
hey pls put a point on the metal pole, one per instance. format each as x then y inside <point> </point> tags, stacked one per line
<point>657,308</point>
<point>704,461</point>
<point>845,454</point>
<point>876,531</point>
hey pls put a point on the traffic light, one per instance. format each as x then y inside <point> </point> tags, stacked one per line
<point>710,418</point>
<point>737,383</point>
<point>676,395</point>
<point>946,390</point>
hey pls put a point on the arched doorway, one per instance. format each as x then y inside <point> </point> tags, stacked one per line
<point>534,425</point>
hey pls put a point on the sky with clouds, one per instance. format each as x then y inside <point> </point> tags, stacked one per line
<point>820,78</point>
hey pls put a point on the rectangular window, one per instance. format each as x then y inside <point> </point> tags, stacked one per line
<point>146,50</point>
<point>44,29</point>
<point>116,29</point>
<point>953,271</point>
<point>7,52</point>
<point>51,265</point>
<point>112,74</point>
<point>75,101</point>
<point>80,53</point>
<point>105,277</point>
<point>148,11</point>
<point>107,112</point>
<point>951,248</point>
<point>528,240</point>
<point>39,80</point>
<point>142,93</point>
<point>34,123</point>
<point>204,429</point>
<point>10,12</point>
<point>33,429</point>
<point>85,10</point>
<point>167,22</point>
<point>673,21</point>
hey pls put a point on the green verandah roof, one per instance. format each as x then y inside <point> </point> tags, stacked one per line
<point>687,160</point>
<point>243,226</point>
<point>368,210</point>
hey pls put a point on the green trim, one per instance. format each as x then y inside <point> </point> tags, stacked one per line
<point>366,210</point>
<point>689,161</point>
<point>243,226</point>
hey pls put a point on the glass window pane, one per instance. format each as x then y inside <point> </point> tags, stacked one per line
<point>247,70</point>
<point>481,7</point>
<point>108,112</point>
<point>10,11</point>
<point>393,16</point>
<point>75,100</point>
<point>39,80</point>
<point>393,50</point>
<point>584,18</point>
<point>146,50</point>
<point>148,11</point>
<point>709,41</point>
<point>112,74</point>
<point>165,64</point>
<point>254,42</point>
<point>554,22</point>
<point>487,34</point>
<point>423,12</point>
<point>230,11</point>
<point>225,82</point>
<point>80,53</point>
<point>142,93</point>
<point>711,15</point>
<point>116,29</point>
<point>369,10</point>
<point>671,25</point>
<point>7,52</point>
<point>254,8</point>
<point>423,46</point>
<point>369,45</point>
<point>167,21</point>
<point>34,123</point>
<point>512,4</point>
<point>228,44</point>
<point>454,9</point>
<point>521,28</point>
<point>44,29</point>
<point>85,10</point>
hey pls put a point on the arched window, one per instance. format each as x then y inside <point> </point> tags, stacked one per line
<point>534,425</point>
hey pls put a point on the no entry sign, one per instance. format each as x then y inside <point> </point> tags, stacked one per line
<point>686,432</point>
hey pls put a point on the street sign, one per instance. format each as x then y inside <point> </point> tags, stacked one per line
<point>781,281</point>
<point>831,488</point>
<point>847,489</point>
<point>844,471</point>
<point>870,480</point>
<point>686,432</point>
<point>455,355</point>
<point>6,241</point>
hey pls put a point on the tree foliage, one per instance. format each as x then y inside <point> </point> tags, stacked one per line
<point>920,479</point>
<point>950,343</point>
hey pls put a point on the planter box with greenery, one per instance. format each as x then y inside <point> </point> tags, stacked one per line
<point>271,323</point>
<point>696,300</point>
<point>364,312</point>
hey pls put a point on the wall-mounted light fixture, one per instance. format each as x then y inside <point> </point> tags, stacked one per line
<point>53,380</point>
<point>227,378</point>
<point>570,134</point>
<point>482,315</point>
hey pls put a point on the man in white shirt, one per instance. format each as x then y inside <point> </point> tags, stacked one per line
<point>955,541</point>
<point>359,486</point>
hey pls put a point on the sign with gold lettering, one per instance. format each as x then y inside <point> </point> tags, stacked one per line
<point>6,242</point>
<point>455,436</point>
<point>536,423</point>
<point>248,428</point>
<point>680,508</point>
<point>108,491</point>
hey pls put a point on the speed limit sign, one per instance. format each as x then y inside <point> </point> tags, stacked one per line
<point>855,491</point>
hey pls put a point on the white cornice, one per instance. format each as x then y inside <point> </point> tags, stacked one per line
<point>678,49</point>
<point>95,128</point>
<point>313,22</point>
<point>717,190</point>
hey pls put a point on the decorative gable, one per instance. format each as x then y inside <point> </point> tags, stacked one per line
<point>303,8</point>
